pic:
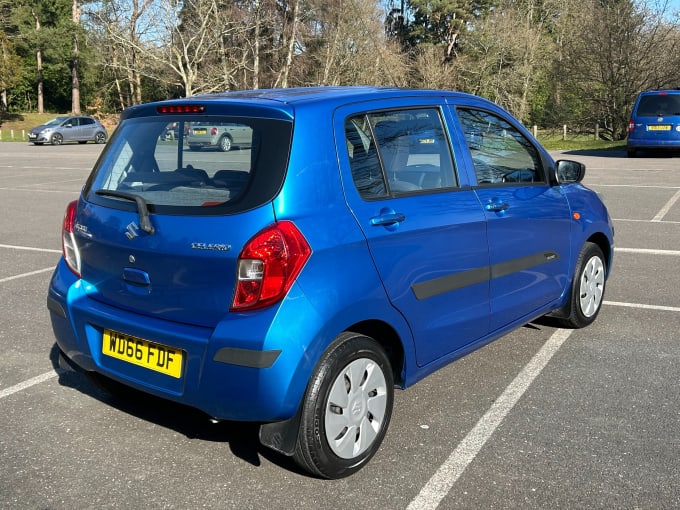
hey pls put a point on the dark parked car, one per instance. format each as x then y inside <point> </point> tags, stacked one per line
<point>655,122</point>
<point>76,128</point>
<point>359,245</point>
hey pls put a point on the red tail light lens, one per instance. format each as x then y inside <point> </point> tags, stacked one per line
<point>213,131</point>
<point>268,266</point>
<point>69,246</point>
<point>631,126</point>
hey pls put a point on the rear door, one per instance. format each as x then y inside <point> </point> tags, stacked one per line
<point>529,220</point>
<point>426,233</point>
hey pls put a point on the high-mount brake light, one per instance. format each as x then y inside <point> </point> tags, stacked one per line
<point>181,108</point>
<point>68,240</point>
<point>268,265</point>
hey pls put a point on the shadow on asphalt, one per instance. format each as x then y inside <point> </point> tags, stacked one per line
<point>242,437</point>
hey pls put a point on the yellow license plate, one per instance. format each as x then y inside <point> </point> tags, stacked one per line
<point>156,357</point>
<point>664,127</point>
<point>200,131</point>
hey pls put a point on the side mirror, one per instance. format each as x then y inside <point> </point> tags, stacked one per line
<point>569,172</point>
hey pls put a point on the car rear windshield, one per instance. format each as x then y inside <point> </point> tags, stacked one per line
<point>150,158</point>
<point>659,104</point>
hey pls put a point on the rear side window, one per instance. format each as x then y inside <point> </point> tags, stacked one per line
<point>500,153</point>
<point>663,105</point>
<point>398,152</point>
<point>184,166</point>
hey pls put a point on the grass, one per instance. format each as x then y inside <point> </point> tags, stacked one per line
<point>21,121</point>
<point>556,143</point>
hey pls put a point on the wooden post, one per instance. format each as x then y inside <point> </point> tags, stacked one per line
<point>564,132</point>
<point>597,131</point>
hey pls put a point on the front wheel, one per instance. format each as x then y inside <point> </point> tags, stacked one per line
<point>587,288</point>
<point>347,408</point>
<point>56,139</point>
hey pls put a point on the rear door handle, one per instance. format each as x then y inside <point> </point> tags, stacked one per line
<point>387,217</point>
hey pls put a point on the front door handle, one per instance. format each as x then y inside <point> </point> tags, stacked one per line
<point>497,206</point>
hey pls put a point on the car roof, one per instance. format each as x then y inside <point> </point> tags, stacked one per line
<point>659,92</point>
<point>286,99</point>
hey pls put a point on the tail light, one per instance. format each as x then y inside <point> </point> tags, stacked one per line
<point>213,131</point>
<point>631,126</point>
<point>68,240</point>
<point>268,266</point>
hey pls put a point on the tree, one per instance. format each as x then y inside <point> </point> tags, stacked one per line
<point>614,50</point>
<point>10,65</point>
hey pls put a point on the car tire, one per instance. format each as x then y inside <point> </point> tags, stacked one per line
<point>56,139</point>
<point>100,138</point>
<point>224,144</point>
<point>587,288</point>
<point>346,409</point>
<point>631,153</point>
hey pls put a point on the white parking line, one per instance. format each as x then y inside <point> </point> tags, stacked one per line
<point>643,307</point>
<point>664,210</point>
<point>23,275</point>
<point>442,481</point>
<point>27,384</point>
<point>647,251</point>
<point>29,248</point>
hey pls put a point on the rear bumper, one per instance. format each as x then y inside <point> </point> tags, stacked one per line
<point>653,144</point>
<point>235,371</point>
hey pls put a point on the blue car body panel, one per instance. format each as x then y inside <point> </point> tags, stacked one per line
<point>446,277</point>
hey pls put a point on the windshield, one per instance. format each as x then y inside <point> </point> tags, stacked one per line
<point>174,170</point>
<point>55,121</point>
<point>659,104</point>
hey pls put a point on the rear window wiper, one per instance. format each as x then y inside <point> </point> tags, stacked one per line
<point>142,209</point>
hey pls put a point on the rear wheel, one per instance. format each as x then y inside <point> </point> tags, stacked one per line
<point>588,287</point>
<point>225,144</point>
<point>56,139</point>
<point>99,138</point>
<point>347,408</point>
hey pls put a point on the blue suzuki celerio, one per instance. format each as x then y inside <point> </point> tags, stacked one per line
<point>355,240</point>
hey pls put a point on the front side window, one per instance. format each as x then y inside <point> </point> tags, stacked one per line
<point>189,165</point>
<point>398,152</point>
<point>500,153</point>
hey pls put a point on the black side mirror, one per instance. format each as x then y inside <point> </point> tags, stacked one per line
<point>569,172</point>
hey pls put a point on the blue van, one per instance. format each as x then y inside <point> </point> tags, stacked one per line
<point>365,238</point>
<point>655,122</point>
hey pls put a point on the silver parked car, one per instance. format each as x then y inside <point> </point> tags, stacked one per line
<point>223,136</point>
<point>75,128</point>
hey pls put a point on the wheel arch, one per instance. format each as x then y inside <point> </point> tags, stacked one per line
<point>389,340</point>
<point>603,243</point>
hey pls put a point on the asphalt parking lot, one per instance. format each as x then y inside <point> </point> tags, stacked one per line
<point>543,418</point>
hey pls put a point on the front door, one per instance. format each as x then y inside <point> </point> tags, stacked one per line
<point>528,219</point>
